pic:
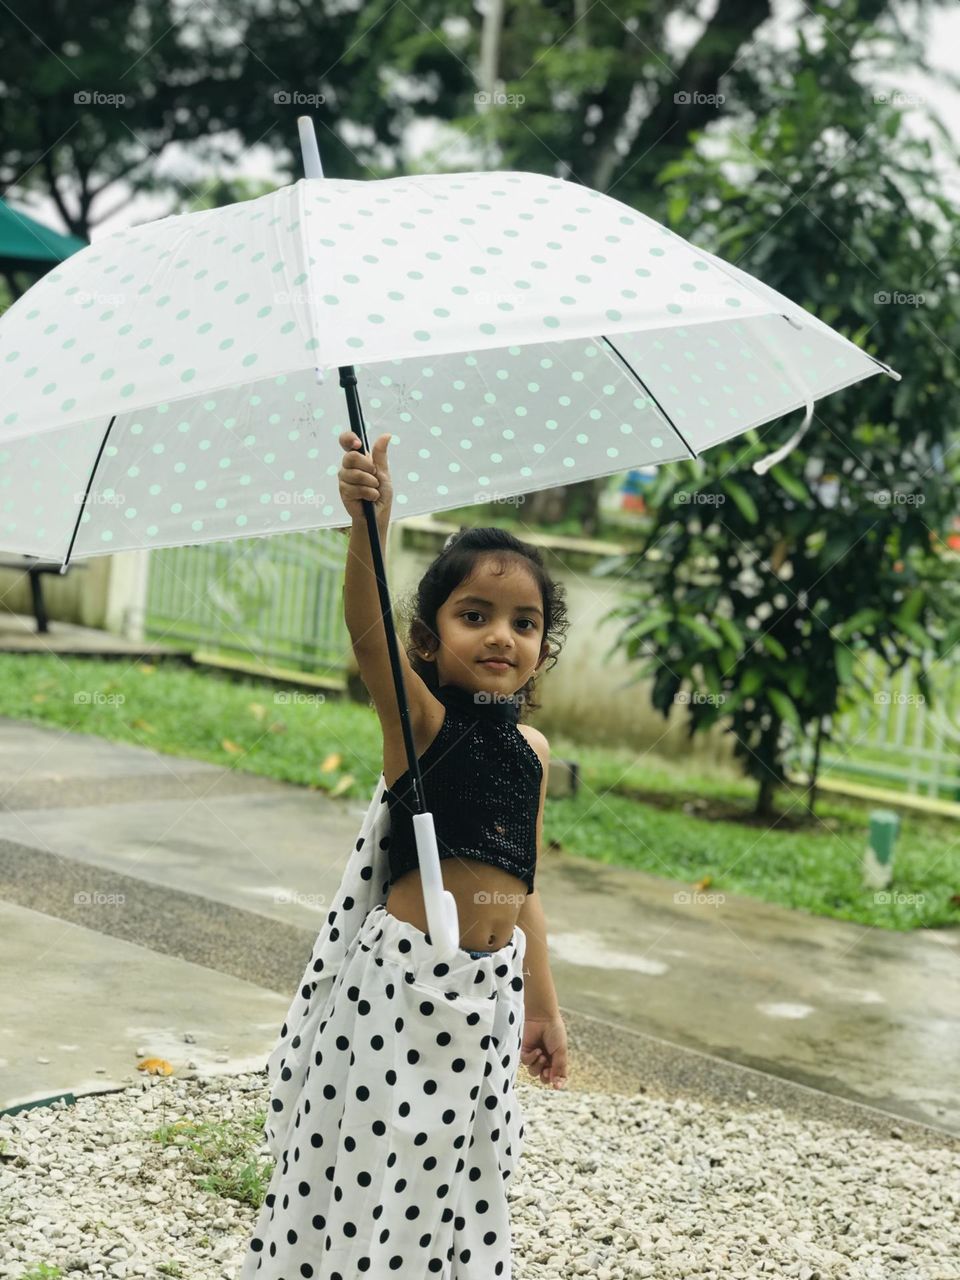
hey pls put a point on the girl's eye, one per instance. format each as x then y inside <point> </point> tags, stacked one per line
<point>475,613</point>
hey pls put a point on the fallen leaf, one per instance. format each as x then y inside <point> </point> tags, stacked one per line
<point>147,668</point>
<point>332,762</point>
<point>232,747</point>
<point>142,724</point>
<point>342,784</point>
<point>257,710</point>
<point>278,726</point>
<point>702,884</point>
<point>155,1067</point>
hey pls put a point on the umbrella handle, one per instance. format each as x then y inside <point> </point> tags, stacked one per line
<point>442,918</point>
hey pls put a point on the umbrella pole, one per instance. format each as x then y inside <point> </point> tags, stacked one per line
<point>440,905</point>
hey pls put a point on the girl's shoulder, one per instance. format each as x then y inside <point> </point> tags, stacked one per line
<point>537,741</point>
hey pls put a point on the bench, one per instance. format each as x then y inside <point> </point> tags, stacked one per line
<point>34,566</point>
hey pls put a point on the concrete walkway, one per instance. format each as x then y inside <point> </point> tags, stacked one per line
<point>157,906</point>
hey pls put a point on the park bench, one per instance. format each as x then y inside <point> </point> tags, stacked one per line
<point>35,567</point>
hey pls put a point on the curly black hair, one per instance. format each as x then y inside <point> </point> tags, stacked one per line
<point>453,565</point>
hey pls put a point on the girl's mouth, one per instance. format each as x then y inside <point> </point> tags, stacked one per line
<point>495,664</point>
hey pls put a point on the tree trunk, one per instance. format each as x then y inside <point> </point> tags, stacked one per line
<point>769,782</point>
<point>811,797</point>
<point>578,501</point>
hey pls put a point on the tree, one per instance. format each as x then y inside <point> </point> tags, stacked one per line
<point>111,85</point>
<point>766,592</point>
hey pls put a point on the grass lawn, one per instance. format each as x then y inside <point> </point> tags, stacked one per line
<point>662,817</point>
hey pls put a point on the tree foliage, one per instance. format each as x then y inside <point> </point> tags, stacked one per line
<point>758,596</point>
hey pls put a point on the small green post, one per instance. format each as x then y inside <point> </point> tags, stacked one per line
<point>878,858</point>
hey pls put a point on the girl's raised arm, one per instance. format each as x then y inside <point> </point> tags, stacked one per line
<point>365,476</point>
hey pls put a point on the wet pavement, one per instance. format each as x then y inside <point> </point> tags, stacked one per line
<point>157,905</point>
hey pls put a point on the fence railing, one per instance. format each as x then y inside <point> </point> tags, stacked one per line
<point>898,738</point>
<point>275,601</point>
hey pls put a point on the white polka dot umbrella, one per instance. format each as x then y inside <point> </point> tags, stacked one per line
<point>177,382</point>
<point>513,331</point>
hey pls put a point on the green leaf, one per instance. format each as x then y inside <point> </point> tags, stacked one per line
<point>732,633</point>
<point>796,682</point>
<point>700,628</point>
<point>773,645</point>
<point>790,483</point>
<point>751,681</point>
<point>916,634</point>
<point>859,621</point>
<point>783,706</point>
<point>843,659</point>
<point>649,624</point>
<point>676,208</point>
<point>745,504</point>
<point>911,607</point>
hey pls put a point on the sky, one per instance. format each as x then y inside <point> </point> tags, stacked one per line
<point>261,163</point>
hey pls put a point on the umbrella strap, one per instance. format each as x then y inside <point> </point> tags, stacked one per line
<point>763,465</point>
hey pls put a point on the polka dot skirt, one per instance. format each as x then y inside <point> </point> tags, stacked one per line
<point>394,1116</point>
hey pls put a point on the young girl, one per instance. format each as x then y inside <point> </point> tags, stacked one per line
<point>393,1114</point>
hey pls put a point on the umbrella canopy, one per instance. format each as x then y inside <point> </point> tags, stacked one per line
<point>513,331</point>
<point>26,245</point>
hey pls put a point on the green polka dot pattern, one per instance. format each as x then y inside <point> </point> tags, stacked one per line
<point>512,331</point>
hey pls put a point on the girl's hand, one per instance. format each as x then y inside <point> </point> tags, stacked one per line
<point>544,1050</point>
<point>364,476</point>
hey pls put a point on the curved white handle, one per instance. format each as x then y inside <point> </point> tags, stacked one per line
<point>443,918</point>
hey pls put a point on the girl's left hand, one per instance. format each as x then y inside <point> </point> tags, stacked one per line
<point>544,1050</point>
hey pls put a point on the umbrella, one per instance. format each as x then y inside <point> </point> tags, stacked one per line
<point>186,380</point>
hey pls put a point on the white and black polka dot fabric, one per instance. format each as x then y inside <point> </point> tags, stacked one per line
<point>393,1113</point>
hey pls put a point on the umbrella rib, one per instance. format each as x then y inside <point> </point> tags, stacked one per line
<point>666,417</point>
<point>93,472</point>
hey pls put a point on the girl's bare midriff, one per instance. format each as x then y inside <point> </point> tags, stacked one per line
<point>485,925</point>
<point>487,922</point>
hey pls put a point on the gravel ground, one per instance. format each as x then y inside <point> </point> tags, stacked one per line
<point>610,1186</point>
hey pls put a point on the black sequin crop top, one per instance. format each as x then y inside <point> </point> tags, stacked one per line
<point>481,780</point>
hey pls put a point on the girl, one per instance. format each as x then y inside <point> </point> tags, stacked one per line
<point>393,1115</point>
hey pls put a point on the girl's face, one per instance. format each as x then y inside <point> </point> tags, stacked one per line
<point>491,615</point>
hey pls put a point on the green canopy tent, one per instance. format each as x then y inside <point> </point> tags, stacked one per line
<point>27,245</point>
